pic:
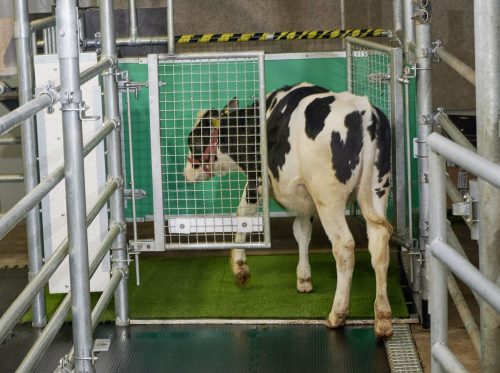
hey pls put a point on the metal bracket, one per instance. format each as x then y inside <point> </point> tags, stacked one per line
<point>377,78</point>
<point>469,209</point>
<point>143,245</point>
<point>436,44</point>
<point>138,194</point>
<point>464,208</point>
<point>83,117</point>
<point>124,84</point>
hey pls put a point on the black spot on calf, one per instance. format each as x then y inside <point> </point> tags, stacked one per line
<point>345,154</point>
<point>278,125</point>
<point>383,135</point>
<point>316,113</point>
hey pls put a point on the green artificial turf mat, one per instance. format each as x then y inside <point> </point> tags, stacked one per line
<point>203,287</point>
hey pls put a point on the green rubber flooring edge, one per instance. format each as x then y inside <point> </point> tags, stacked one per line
<point>188,287</point>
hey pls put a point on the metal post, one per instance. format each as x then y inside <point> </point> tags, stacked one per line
<point>170,27</point>
<point>397,16</point>
<point>111,111</point>
<point>487,51</point>
<point>424,124</point>
<point>33,223</point>
<point>71,100</point>
<point>439,273</point>
<point>133,32</point>
<point>398,154</point>
<point>409,31</point>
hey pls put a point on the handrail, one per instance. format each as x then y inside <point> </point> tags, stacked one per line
<point>17,213</point>
<point>461,68</point>
<point>39,24</point>
<point>11,178</point>
<point>48,98</point>
<point>21,303</point>
<point>49,332</point>
<point>452,131</point>
<point>469,274</point>
<point>465,158</point>
<point>10,140</point>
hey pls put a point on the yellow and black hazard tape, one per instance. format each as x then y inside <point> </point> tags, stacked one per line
<point>285,35</point>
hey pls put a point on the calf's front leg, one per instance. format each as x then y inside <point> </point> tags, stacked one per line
<point>241,271</point>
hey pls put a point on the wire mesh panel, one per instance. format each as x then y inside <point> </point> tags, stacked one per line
<point>373,71</point>
<point>370,76</point>
<point>209,123</point>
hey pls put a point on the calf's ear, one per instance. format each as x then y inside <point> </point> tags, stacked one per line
<point>231,106</point>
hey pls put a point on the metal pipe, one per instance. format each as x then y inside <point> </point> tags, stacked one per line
<point>20,304</point>
<point>397,16</point>
<point>42,23</point>
<point>466,272</point>
<point>438,271</point>
<point>470,161</point>
<point>349,64</point>
<point>114,161</point>
<point>461,68</point>
<point>487,64</point>
<point>464,313</point>
<point>31,107</point>
<point>455,134</point>
<point>25,75</point>
<point>424,126</point>
<point>53,39</point>
<point>49,332</point>
<point>369,44</point>
<point>33,46</point>
<point>27,110</point>
<point>104,63</point>
<point>409,30</point>
<point>10,140</point>
<point>71,103</point>
<point>11,178</point>
<point>239,37</point>
<point>398,140</point>
<point>409,176</point>
<point>17,213</point>
<point>45,39</point>
<point>455,243</point>
<point>446,359</point>
<point>132,19</point>
<point>170,27</point>
<point>100,306</point>
<point>132,182</point>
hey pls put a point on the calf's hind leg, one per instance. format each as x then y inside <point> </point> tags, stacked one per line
<point>302,229</point>
<point>335,225</point>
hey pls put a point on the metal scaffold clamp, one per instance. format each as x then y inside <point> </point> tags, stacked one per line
<point>50,90</point>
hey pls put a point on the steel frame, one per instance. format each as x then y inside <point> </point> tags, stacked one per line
<point>81,269</point>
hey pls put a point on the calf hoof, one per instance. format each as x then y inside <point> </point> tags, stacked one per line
<point>304,285</point>
<point>336,319</point>
<point>241,273</point>
<point>383,325</point>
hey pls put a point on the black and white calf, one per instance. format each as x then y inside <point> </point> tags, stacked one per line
<point>322,148</point>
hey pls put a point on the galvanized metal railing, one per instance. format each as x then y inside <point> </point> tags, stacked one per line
<point>444,257</point>
<point>76,243</point>
<point>395,110</point>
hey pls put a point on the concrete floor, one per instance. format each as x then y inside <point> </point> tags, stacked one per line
<point>13,255</point>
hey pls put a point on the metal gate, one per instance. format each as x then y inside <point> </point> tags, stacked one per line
<point>374,70</point>
<point>205,214</point>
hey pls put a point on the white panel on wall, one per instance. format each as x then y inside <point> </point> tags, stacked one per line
<point>50,140</point>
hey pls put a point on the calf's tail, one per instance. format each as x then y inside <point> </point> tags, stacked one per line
<point>376,157</point>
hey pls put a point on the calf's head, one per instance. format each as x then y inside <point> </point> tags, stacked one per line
<point>203,142</point>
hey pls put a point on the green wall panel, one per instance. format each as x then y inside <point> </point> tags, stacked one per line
<point>327,72</point>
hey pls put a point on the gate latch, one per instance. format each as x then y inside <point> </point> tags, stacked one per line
<point>379,78</point>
